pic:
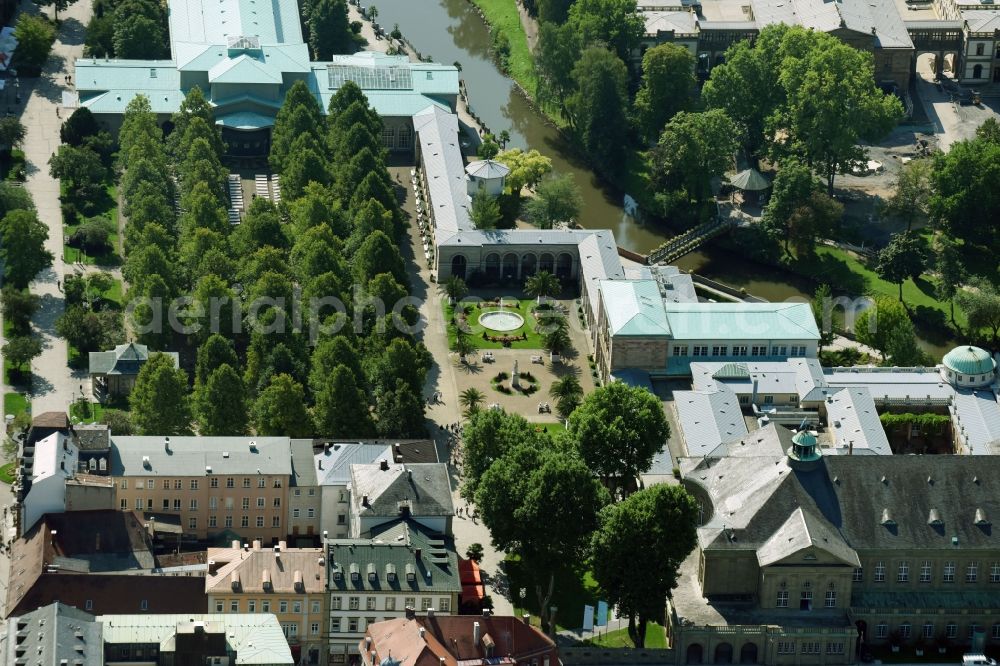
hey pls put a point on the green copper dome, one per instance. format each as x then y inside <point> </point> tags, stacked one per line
<point>804,452</point>
<point>969,360</point>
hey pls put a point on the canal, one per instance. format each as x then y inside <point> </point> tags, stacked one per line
<point>452,31</point>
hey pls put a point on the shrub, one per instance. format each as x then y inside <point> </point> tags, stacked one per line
<point>356,27</point>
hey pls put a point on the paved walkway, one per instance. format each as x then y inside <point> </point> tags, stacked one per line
<point>54,382</point>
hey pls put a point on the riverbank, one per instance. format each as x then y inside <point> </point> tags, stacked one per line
<point>502,17</point>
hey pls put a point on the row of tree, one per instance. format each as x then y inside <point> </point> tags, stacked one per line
<point>547,500</point>
<point>130,29</point>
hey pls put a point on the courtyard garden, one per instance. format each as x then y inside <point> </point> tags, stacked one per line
<point>488,325</point>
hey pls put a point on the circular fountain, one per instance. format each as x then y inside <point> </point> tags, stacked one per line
<point>501,320</point>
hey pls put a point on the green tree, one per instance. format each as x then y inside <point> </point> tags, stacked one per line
<point>660,522</point>
<point>140,30</point>
<point>400,359</point>
<point>220,404</point>
<point>471,400</point>
<point>159,400</point>
<point>78,167</point>
<point>485,210</point>
<point>329,29</point>
<point>302,166</point>
<point>950,270</point>
<point>557,200</point>
<point>911,193</point>
<point>616,23</point>
<point>399,412</point>
<point>488,435</point>
<point>815,218</point>
<point>329,354</point>
<point>261,227</point>
<point>529,492</point>
<point>693,148</point>
<point>597,106</point>
<point>119,422</point>
<point>904,257</point>
<point>19,350</point>
<point>89,331</point>
<point>568,395</point>
<point>378,254</point>
<point>791,188</point>
<point>463,345</point>
<point>488,148</point>
<point>542,285</point>
<point>981,303</point>
<point>12,133</point>
<point>456,288</point>
<point>822,310</point>
<point>884,321</point>
<point>526,169</point>
<point>965,196</point>
<point>989,131</point>
<point>18,307</point>
<point>22,247</point>
<point>341,407</point>
<point>557,51</point>
<point>34,35</point>
<point>194,106</point>
<point>57,6</point>
<point>667,86</point>
<point>618,429</point>
<point>299,114</point>
<point>214,353</point>
<point>280,409</point>
<point>14,197</point>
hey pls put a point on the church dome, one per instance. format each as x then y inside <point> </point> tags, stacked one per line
<point>969,360</point>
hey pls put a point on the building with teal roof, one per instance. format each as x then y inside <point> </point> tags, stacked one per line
<point>245,55</point>
<point>968,366</point>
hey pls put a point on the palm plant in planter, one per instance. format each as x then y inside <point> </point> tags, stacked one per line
<point>942,643</point>
<point>895,640</point>
<point>920,646</point>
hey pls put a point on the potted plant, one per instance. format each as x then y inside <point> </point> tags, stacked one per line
<point>920,646</point>
<point>942,643</point>
<point>895,640</point>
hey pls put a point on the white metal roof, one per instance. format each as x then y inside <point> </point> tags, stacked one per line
<point>708,418</point>
<point>853,421</point>
<point>437,136</point>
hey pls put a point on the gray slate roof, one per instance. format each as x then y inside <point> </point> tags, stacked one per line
<point>192,456</point>
<point>303,472</point>
<point>753,497</point>
<point>393,549</point>
<point>425,487</point>
<point>125,359</point>
<point>52,634</point>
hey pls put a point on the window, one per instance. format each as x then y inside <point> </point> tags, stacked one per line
<point>831,599</point>
<point>806,600</point>
<point>949,572</point>
<point>973,628</point>
<point>149,504</point>
<point>903,572</point>
<point>212,521</point>
<point>192,523</point>
<point>680,350</point>
<point>166,484</point>
<point>335,603</point>
<point>277,483</point>
<point>951,630</point>
<point>700,350</point>
<point>229,504</point>
<point>881,630</point>
<point>996,631</point>
<point>282,606</point>
<point>925,572</point>
<point>352,625</point>
<point>928,630</point>
<point>213,503</point>
<point>123,504</point>
<point>410,602</point>
<point>194,484</point>
<point>979,48</point>
<point>369,621</point>
<point>341,519</point>
<point>234,606</point>
<point>370,603</point>
<point>835,648</point>
<point>149,484</point>
<point>425,603</point>
<point>971,572</point>
<point>343,496</point>
<point>261,484</point>
<point>275,521</point>
<point>810,647</point>
<point>265,606</point>
<point>166,504</point>
<point>859,575</point>
<point>246,503</point>
<point>296,606</point>
<point>720,350</point>
<point>758,350</point>
<point>335,626</point>
<point>123,484</point>
<point>444,604</point>
<point>905,629</point>
<point>315,607</point>
<point>298,492</point>
<point>138,504</point>
<point>143,605</point>
<point>739,350</point>
<point>245,521</point>
<point>390,603</point>
<point>194,505</point>
<point>252,606</point>
<point>782,599</point>
<point>311,513</point>
<point>89,605</point>
<point>995,572</point>
<point>277,503</point>
<point>879,572</point>
<point>260,502</point>
<point>779,351</point>
<point>295,513</point>
<point>229,521</point>
<point>230,483</point>
<point>214,483</point>
<point>354,603</point>
<point>768,399</point>
<point>246,482</point>
<point>314,628</point>
<point>786,647</point>
<point>312,492</point>
<point>260,521</point>
<point>290,629</point>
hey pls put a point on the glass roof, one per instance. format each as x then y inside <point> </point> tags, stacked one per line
<point>371,78</point>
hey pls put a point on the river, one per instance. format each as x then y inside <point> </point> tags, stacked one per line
<point>452,31</point>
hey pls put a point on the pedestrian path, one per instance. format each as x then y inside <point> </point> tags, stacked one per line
<point>54,383</point>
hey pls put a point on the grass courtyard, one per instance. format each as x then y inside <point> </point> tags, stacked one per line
<point>473,312</point>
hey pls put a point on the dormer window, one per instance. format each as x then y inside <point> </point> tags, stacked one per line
<point>934,518</point>
<point>372,574</point>
<point>887,519</point>
<point>411,575</point>
<point>355,574</point>
<point>981,520</point>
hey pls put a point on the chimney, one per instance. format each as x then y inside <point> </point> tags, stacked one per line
<point>475,634</point>
<point>297,580</point>
<point>418,553</point>
<point>235,544</point>
<point>442,661</point>
<point>234,581</point>
<point>430,612</point>
<point>409,613</point>
<point>422,631</point>
<point>326,448</point>
<point>850,448</point>
<point>527,619</point>
<point>368,642</point>
<point>266,579</point>
<point>166,444</point>
<point>326,534</point>
<point>256,544</point>
<point>383,465</point>
<point>282,545</point>
<point>364,500</point>
<point>319,464</point>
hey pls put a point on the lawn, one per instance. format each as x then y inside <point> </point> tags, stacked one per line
<point>573,590</point>
<point>14,404</point>
<point>502,15</point>
<point>533,341</point>
<point>656,637</point>
<point>110,211</point>
<point>553,429</point>
<point>7,473</point>
<point>86,412</point>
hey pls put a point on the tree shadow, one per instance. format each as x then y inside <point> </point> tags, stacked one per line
<point>71,31</point>
<point>49,310</point>
<point>39,387</point>
<point>925,286</point>
<point>469,368</point>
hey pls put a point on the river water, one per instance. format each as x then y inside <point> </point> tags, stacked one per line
<point>451,31</point>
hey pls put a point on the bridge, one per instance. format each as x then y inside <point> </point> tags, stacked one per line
<point>939,38</point>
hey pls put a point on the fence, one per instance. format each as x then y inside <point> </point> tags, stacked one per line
<point>600,656</point>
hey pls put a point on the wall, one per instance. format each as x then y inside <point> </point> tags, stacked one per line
<point>341,638</point>
<point>85,497</point>
<point>648,353</point>
<point>335,503</point>
<point>302,500</point>
<point>312,609</point>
